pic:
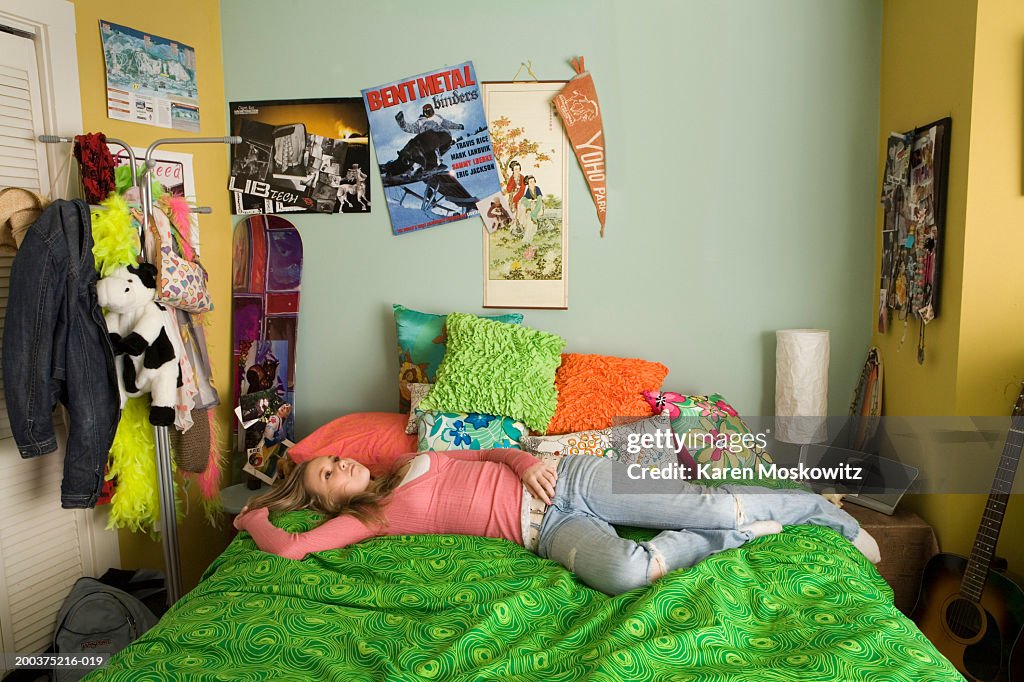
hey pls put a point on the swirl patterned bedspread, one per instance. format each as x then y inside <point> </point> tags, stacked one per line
<point>802,605</point>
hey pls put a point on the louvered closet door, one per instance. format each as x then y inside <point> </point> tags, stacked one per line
<point>22,161</point>
<point>40,547</point>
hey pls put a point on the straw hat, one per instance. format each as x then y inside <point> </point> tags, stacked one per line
<point>19,208</point>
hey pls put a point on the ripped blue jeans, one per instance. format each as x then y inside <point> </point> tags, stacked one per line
<point>696,521</point>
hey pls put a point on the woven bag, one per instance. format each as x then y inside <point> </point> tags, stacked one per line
<point>192,448</point>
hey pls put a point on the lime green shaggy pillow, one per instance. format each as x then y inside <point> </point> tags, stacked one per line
<point>497,368</point>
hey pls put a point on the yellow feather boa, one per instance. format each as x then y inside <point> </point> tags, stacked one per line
<point>114,242</point>
<point>136,502</point>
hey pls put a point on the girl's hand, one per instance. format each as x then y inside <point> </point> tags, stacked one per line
<point>540,481</point>
<point>239,522</point>
<point>245,516</point>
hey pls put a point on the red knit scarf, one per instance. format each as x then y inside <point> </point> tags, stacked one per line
<point>97,166</point>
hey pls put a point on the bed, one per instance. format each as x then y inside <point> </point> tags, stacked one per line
<point>801,605</point>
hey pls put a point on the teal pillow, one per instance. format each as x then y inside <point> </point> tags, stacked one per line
<point>421,344</point>
<point>498,368</point>
<point>440,431</point>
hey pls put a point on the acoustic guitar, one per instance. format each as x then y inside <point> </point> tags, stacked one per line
<point>973,615</point>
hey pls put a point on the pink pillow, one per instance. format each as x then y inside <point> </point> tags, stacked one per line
<point>374,439</point>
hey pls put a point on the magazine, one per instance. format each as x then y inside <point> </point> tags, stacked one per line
<point>433,147</point>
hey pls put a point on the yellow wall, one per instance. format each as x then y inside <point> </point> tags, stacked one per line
<point>927,73</point>
<point>993,295</point>
<point>964,59</point>
<point>991,351</point>
<point>195,23</point>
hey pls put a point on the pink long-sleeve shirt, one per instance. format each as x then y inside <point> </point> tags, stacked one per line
<point>465,492</point>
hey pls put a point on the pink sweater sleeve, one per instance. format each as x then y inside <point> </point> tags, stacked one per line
<point>516,460</point>
<point>338,532</point>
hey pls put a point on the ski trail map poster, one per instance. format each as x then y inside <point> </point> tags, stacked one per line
<point>150,80</point>
<point>433,147</point>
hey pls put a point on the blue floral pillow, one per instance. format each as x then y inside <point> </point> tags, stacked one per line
<point>441,431</point>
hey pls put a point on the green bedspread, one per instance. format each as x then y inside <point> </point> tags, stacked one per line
<point>802,605</point>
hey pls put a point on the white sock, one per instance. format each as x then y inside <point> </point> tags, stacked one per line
<point>759,529</point>
<point>867,546</point>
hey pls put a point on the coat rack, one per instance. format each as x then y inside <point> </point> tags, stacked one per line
<point>165,476</point>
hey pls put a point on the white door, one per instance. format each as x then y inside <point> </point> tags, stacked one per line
<point>41,547</point>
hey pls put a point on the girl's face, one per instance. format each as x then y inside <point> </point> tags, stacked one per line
<point>336,479</point>
<point>532,182</point>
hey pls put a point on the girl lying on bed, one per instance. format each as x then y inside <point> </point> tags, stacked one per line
<point>564,514</point>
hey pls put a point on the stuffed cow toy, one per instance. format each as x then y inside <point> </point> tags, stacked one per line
<point>143,353</point>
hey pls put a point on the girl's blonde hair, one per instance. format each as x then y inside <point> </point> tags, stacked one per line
<point>292,495</point>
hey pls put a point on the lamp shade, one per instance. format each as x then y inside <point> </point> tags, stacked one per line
<point>801,385</point>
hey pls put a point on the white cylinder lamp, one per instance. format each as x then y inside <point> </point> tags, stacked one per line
<point>801,385</point>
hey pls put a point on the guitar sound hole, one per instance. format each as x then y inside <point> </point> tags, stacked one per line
<point>963,619</point>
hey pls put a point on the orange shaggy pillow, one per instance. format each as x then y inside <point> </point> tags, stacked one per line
<point>592,389</point>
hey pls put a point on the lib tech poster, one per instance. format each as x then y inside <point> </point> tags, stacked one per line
<point>306,156</point>
<point>433,147</point>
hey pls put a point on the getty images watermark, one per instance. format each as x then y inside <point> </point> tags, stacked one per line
<point>666,439</point>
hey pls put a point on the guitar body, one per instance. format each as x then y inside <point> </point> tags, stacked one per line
<point>977,638</point>
<point>1017,660</point>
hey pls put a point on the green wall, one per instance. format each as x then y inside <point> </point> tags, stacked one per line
<point>742,187</point>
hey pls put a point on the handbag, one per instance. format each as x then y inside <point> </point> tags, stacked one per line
<point>183,283</point>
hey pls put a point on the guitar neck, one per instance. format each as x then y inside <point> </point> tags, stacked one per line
<point>985,541</point>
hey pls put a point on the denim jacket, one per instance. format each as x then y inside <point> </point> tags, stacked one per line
<point>55,347</point>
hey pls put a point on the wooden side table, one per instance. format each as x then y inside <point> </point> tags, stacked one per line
<point>906,543</point>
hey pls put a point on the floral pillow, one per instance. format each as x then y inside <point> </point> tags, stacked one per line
<point>711,430</point>
<point>614,442</point>
<point>440,431</point>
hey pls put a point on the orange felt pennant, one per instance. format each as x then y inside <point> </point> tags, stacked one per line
<point>577,105</point>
